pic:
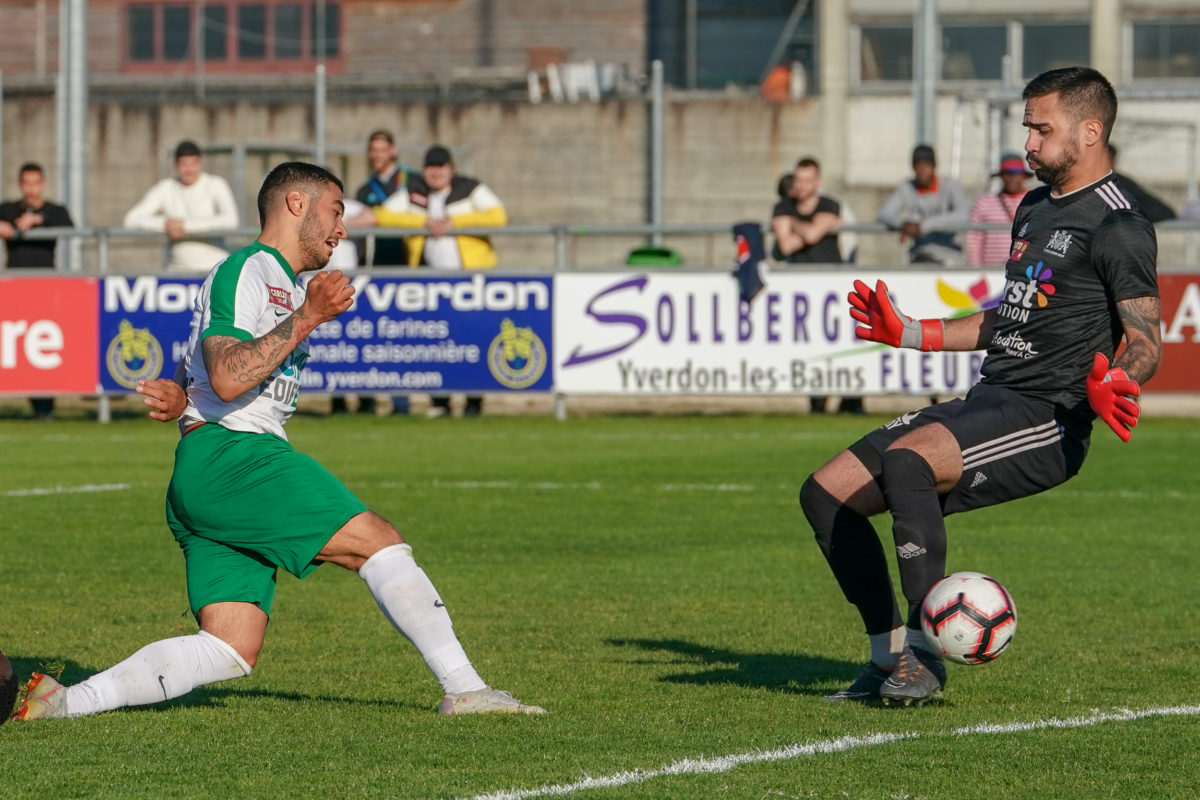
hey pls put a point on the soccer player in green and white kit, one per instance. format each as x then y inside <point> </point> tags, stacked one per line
<point>242,503</point>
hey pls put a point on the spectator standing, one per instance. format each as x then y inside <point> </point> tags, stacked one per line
<point>440,200</point>
<point>387,178</point>
<point>921,208</point>
<point>994,247</point>
<point>18,217</point>
<point>805,222</point>
<point>1154,208</point>
<point>189,204</point>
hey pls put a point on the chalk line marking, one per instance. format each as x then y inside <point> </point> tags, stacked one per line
<point>558,485</point>
<point>697,766</point>
<point>38,491</point>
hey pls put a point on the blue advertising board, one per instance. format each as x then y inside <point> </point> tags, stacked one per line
<point>468,333</point>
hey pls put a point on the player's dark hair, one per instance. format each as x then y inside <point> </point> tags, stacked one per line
<point>31,166</point>
<point>809,161</point>
<point>1083,92</point>
<point>186,148</point>
<point>381,133</point>
<point>291,175</point>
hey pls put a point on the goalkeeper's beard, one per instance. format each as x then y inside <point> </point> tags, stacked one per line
<point>1055,173</point>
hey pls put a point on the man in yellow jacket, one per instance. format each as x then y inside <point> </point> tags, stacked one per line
<point>439,201</point>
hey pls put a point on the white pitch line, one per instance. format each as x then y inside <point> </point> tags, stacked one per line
<point>87,487</point>
<point>697,766</point>
<point>556,485</point>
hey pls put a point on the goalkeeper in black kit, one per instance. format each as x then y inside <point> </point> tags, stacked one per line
<point>1080,277</point>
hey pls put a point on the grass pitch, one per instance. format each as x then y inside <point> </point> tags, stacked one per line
<point>649,580</point>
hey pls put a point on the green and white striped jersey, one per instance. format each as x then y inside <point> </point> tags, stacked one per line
<point>245,296</point>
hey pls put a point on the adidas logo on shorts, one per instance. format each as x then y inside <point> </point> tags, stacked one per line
<point>909,550</point>
<point>978,479</point>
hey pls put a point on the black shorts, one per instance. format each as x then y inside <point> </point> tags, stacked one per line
<point>1013,446</point>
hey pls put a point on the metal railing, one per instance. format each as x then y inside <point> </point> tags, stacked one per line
<point>562,235</point>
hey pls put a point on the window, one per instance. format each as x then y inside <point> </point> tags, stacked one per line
<point>141,33</point>
<point>973,52</point>
<point>1053,45</point>
<point>733,40</point>
<point>252,31</point>
<point>886,53</point>
<point>1166,49</point>
<point>237,35</point>
<point>288,24</point>
<point>176,33</point>
<point>216,25</point>
<point>332,33</point>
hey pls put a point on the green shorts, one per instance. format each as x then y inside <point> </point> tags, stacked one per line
<point>242,505</point>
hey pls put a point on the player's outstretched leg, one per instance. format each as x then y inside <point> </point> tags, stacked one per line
<point>411,604</point>
<point>159,671</point>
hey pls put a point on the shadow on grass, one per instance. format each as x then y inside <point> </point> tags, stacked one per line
<point>792,673</point>
<point>215,696</point>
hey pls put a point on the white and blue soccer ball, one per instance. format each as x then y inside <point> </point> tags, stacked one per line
<point>969,618</point>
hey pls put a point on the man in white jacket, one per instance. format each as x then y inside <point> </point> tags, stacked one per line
<point>187,205</point>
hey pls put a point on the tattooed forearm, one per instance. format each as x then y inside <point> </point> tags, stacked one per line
<point>1140,318</point>
<point>247,364</point>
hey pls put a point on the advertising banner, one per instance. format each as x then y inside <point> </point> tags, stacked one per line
<point>48,336</point>
<point>478,333</point>
<point>470,333</point>
<point>680,333</point>
<point>144,326</point>
<point>1180,296</point>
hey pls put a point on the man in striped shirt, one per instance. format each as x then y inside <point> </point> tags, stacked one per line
<point>992,248</point>
<point>1081,277</point>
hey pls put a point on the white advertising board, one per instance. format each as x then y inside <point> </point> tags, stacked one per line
<point>688,333</point>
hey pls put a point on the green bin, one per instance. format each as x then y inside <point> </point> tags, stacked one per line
<point>653,256</point>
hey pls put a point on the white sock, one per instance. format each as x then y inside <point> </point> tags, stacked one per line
<point>159,671</point>
<point>407,598</point>
<point>886,647</point>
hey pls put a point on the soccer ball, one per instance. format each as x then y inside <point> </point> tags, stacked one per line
<point>968,617</point>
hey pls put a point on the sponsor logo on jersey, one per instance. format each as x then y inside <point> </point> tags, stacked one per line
<point>516,357</point>
<point>1024,230</point>
<point>279,297</point>
<point>1022,296</point>
<point>1058,244</point>
<point>133,355</point>
<point>1018,249</point>
<point>1014,344</point>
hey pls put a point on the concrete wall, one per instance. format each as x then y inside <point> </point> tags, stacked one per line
<point>581,164</point>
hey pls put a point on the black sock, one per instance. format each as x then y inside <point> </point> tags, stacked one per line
<point>918,527</point>
<point>855,555</point>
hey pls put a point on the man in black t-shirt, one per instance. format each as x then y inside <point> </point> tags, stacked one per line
<point>804,222</point>
<point>18,217</point>
<point>1080,277</point>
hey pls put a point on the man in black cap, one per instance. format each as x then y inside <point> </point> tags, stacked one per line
<point>920,209</point>
<point>440,200</point>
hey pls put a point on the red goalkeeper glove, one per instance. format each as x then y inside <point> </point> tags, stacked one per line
<point>881,322</point>
<point>1110,393</point>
